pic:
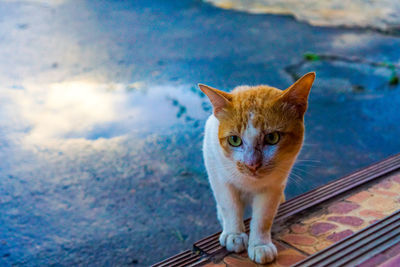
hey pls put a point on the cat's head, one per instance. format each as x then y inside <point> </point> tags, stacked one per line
<point>261,128</point>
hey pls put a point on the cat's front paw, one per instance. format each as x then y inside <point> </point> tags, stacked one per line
<point>262,253</point>
<point>236,242</point>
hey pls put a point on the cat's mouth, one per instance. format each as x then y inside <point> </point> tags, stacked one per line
<point>253,173</point>
<point>257,174</point>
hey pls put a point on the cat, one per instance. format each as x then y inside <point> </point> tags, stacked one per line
<point>251,141</point>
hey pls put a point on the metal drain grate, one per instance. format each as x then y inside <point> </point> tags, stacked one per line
<point>185,258</point>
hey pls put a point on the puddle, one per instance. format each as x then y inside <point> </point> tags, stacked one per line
<point>42,113</point>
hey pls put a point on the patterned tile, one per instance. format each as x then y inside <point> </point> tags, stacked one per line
<point>298,228</point>
<point>337,236</point>
<point>211,264</point>
<point>372,213</point>
<point>286,257</point>
<point>335,221</point>
<point>343,207</point>
<point>359,197</point>
<point>320,228</point>
<point>235,260</point>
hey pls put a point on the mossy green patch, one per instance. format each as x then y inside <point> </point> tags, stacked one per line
<point>311,57</point>
<point>394,79</point>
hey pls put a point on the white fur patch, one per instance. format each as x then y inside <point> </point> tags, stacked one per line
<point>250,134</point>
<point>241,88</point>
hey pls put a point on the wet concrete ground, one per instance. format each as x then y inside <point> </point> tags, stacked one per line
<point>101,122</point>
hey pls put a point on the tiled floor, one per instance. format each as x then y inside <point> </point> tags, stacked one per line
<point>330,223</point>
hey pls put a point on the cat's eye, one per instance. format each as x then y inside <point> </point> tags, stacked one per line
<point>234,140</point>
<point>272,138</point>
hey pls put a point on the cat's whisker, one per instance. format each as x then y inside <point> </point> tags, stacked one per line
<point>308,160</point>
<point>306,166</point>
<point>298,183</point>
<point>301,160</point>
<point>296,178</point>
<point>283,171</point>
<point>296,175</point>
<point>302,167</point>
<point>307,174</point>
<point>301,164</point>
<point>307,163</point>
<point>296,168</point>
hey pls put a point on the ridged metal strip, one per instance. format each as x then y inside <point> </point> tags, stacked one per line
<point>182,259</point>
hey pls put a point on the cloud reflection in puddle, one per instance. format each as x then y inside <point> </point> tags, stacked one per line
<point>40,114</point>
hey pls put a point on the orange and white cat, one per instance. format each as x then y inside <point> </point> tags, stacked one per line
<point>251,141</point>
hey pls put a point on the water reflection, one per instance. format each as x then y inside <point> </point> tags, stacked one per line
<point>64,110</point>
<point>92,110</point>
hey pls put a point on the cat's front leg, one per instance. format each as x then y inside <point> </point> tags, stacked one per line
<point>230,209</point>
<point>265,205</point>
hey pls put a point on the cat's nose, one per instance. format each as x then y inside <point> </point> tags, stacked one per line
<point>253,160</point>
<point>253,166</point>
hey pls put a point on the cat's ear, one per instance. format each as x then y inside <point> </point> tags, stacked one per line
<point>220,100</point>
<point>297,94</point>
